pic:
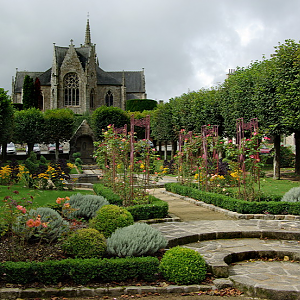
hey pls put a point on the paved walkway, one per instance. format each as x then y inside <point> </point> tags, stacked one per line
<point>223,241</point>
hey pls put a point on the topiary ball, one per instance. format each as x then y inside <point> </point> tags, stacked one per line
<point>135,240</point>
<point>109,218</point>
<point>183,266</point>
<point>293,195</point>
<point>85,243</point>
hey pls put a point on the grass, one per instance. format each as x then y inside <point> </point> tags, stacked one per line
<point>40,197</point>
<point>277,187</point>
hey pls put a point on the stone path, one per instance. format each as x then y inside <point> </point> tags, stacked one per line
<point>224,240</point>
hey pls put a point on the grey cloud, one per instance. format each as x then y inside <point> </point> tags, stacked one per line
<point>182,44</point>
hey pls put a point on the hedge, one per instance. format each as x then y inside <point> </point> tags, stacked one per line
<point>140,104</point>
<point>107,193</point>
<point>81,271</point>
<point>237,205</point>
<point>156,209</point>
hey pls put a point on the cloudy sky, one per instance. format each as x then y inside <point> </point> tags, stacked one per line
<point>183,45</point>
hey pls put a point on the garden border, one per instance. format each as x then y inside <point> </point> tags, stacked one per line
<point>229,213</point>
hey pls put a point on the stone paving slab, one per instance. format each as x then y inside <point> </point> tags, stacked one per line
<point>275,280</point>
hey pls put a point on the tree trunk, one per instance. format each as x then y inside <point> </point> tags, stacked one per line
<point>166,151</point>
<point>276,161</point>
<point>297,157</point>
<point>174,148</point>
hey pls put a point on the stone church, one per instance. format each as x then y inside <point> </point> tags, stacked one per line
<point>76,81</point>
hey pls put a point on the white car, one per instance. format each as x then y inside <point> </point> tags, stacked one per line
<point>11,148</point>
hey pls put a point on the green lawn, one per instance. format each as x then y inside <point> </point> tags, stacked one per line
<point>277,187</point>
<point>40,197</point>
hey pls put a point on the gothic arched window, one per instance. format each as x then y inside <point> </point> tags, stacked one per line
<point>92,98</point>
<point>71,89</point>
<point>109,99</point>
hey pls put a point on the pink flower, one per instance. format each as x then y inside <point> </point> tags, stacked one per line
<point>67,205</point>
<point>21,208</point>
<point>45,224</point>
<point>37,222</point>
<point>30,223</point>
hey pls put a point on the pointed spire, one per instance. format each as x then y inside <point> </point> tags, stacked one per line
<point>87,34</point>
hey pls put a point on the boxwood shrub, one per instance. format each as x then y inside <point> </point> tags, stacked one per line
<point>233,204</point>
<point>81,271</point>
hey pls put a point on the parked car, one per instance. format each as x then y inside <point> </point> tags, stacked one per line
<point>11,148</point>
<point>52,147</point>
<point>36,149</point>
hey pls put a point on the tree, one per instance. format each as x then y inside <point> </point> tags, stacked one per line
<point>29,127</point>
<point>38,98</point>
<point>6,120</point>
<point>287,60</point>
<point>59,126</point>
<point>104,116</point>
<point>162,128</point>
<point>28,93</point>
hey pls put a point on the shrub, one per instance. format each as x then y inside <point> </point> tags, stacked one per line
<point>85,243</point>
<point>287,157</point>
<point>156,209</point>
<point>140,104</point>
<point>109,218</point>
<point>183,266</point>
<point>85,206</point>
<point>135,240</point>
<point>47,224</point>
<point>293,195</point>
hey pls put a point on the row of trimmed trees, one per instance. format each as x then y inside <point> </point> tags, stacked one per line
<point>268,90</point>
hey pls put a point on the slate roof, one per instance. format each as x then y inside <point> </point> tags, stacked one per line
<point>134,80</point>
<point>19,80</point>
<point>104,78</point>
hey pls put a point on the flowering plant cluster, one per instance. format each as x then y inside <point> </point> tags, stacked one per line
<point>126,165</point>
<point>11,173</point>
<point>203,160</point>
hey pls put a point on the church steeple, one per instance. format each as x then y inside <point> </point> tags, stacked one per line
<point>87,41</point>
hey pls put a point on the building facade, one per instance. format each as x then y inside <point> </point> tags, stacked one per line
<point>76,81</point>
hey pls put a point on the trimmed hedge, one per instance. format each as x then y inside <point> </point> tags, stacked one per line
<point>107,193</point>
<point>157,208</point>
<point>237,205</point>
<point>140,104</point>
<point>81,271</point>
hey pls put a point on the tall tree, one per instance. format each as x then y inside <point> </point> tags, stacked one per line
<point>59,126</point>
<point>287,60</point>
<point>29,127</point>
<point>28,93</point>
<point>162,128</point>
<point>6,121</point>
